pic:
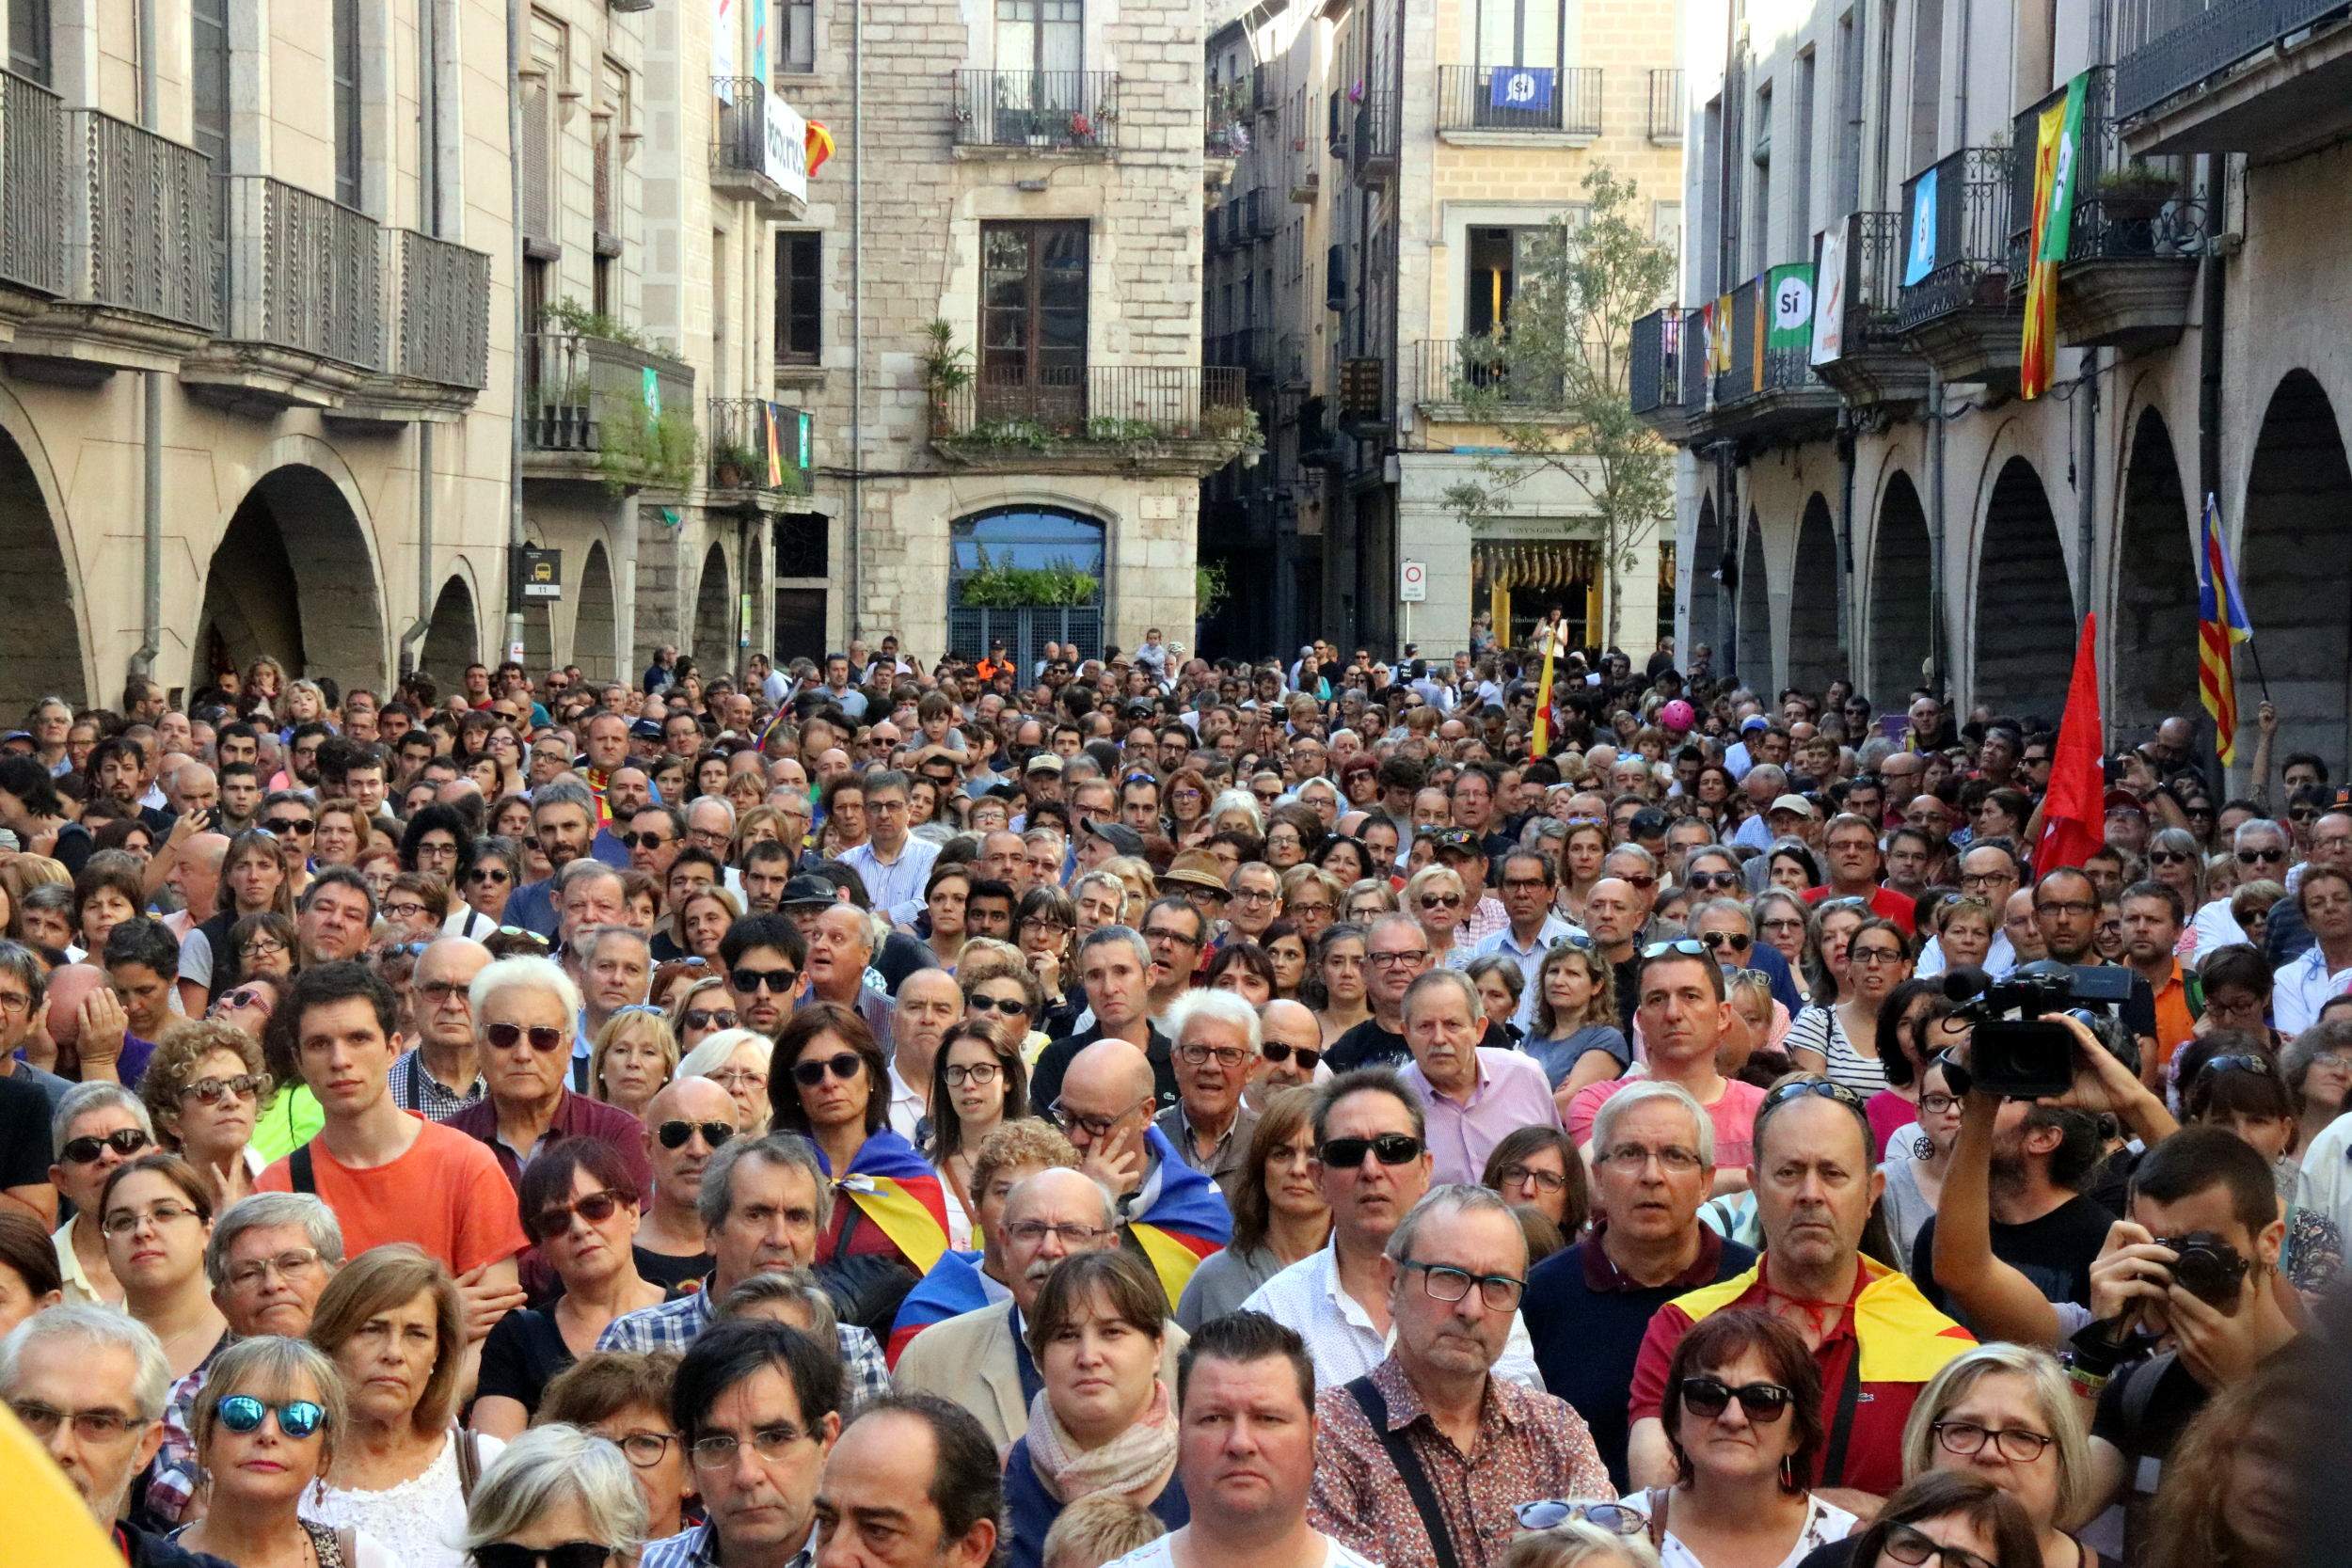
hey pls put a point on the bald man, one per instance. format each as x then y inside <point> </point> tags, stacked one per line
<point>194,876</point>
<point>929,1004</point>
<point>671,1246</point>
<point>1290,1053</point>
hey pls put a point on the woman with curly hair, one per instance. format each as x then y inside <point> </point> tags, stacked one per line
<point>204,1088</point>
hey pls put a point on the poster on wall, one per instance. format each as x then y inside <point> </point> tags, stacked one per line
<point>722,48</point>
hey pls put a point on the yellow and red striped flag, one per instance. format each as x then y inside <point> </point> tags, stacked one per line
<point>2221,626</point>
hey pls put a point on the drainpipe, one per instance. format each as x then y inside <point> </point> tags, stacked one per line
<point>515,535</point>
<point>1849,642</point>
<point>1935,678</point>
<point>2214,282</point>
<point>151,417</point>
<point>2087,487</point>
<point>427,205</point>
<point>855,523</point>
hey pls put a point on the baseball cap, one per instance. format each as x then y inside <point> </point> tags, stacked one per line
<point>646,729</point>
<point>1797,804</point>
<point>1119,836</point>
<point>1044,762</point>
<point>1459,841</point>
<point>808,888</point>
<point>1754,721</point>
<point>2123,800</point>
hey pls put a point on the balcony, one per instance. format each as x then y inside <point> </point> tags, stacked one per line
<point>301,301</point>
<point>1872,366</point>
<point>1768,393</point>
<point>1959,313</point>
<point>1654,371</point>
<point>1005,112</point>
<point>1665,107</point>
<point>1372,139</point>
<point>758,150</point>
<point>743,474</point>
<point>1481,105</point>
<point>587,417</point>
<point>2134,238</point>
<point>141,269</point>
<point>1454,372</point>
<point>437,340</point>
<point>2269,78</point>
<point>32,200</point>
<point>1171,420</point>
<point>1228,135</point>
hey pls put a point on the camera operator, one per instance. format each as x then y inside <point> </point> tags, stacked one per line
<point>2190,1301</point>
<point>2066,906</point>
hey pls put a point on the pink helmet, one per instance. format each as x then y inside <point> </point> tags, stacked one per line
<point>1677,716</point>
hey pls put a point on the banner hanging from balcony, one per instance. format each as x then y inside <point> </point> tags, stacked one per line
<point>786,156</point>
<point>1521,87</point>
<point>1829,297</point>
<point>2052,183</point>
<point>722,49</point>
<point>1791,303</point>
<point>1919,260</point>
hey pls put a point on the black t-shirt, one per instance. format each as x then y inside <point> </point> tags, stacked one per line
<point>2055,1252</point>
<point>522,1355</point>
<point>669,1270</point>
<point>1367,1044</point>
<point>23,1133</point>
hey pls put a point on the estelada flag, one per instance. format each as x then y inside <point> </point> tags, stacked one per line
<point>817,144</point>
<point>896,1188</point>
<point>2037,350</point>
<point>2221,626</point>
<point>775,452</point>
<point>954,1286</point>
<point>1186,1221</point>
<point>2073,812</point>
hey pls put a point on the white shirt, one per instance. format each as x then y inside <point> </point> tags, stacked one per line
<point>1824,1521</point>
<point>1528,958</point>
<point>1999,959</point>
<point>2216,926</point>
<point>1159,1554</point>
<point>906,1107</point>
<point>2325,1185</point>
<point>1306,1298</point>
<point>2300,988</point>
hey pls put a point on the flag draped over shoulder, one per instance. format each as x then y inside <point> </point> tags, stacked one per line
<point>954,1286</point>
<point>1186,1222</point>
<point>896,1188</point>
<point>2221,626</point>
<point>2073,812</point>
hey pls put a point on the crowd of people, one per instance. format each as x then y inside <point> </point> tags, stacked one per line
<point>1138,1110</point>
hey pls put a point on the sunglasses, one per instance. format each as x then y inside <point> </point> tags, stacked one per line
<point>1739,942</point>
<point>1688,947</point>
<point>209,1091</point>
<point>2261,857</point>
<point>2259,1065</point>
<point>778,982</point>
<point>846,1065</point>
<point>296,1418</point>
<point>674,1133</point>
<point>1308,1059</point>
<point>543,1036</point>
<point>299,827</point>
<point>1707,882</point>
<point>1710,1396</point>
<point>556,1218</point>
<point>125,1141</point>
<point>1551,1513</point>
<point>571,1554</point>
<point>1009,1005</point>
<point>1824,1088</point>
<point>1389,1148</point>
<point>1442,901</point>
<point>244,996</point>
<point>710,1017</point>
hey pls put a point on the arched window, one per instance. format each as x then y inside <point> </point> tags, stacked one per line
<point>1028,575</point>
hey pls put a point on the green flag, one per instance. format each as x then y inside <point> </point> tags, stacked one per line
<point>1789,295</point>
<point>2060,220</point>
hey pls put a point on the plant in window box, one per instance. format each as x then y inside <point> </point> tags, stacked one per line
<point>640,449</point>
<point>946,368</point>
<point>570,316</point>
<point>733,465</point>
<point>2131,200</point>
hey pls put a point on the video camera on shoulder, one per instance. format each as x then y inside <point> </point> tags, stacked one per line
<point>2014,1051</point>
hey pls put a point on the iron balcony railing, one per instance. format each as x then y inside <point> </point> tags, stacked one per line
<point>1373,145</point>
<point>2123,207</point>
<point>1456,369</point>
<point>1693,365</point>
<point>32,185</point>
<point>2167,46</point>
<point>301,272</point>
<point>1665,106</point>
<point>142,216</point>
<point>740,431</point>
<point>1654,370</point>
<point>1226,112</point>
<point>1096,403</point>
<point>1873,280</point>
<point>1970,232</point>
<point>1756,368</point>
<point>1050,110</point>
<point>574,384</point>
<point>739,143</point>
<point>436,300</point>
<point>1513,98</point>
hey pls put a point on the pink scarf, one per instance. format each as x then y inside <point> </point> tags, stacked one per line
<point>1137,1463</point>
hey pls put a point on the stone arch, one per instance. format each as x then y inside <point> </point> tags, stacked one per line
<point>714,614</point>
<point>41,652</point>
<point>1707,584</point>
<point>1815,657</point>
<point>2024,621</point>
<point>2297,573</point>
<point>452,638</point>
<point>294,575</point>
<point>595,624</point>
<point>1755,610</point>
<point>2152,634</point>
<point>1902,610</point>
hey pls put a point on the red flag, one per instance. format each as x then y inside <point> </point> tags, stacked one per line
<point>2073,815</point>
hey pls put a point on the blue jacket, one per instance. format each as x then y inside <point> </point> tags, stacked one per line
<point>1030,1509</point>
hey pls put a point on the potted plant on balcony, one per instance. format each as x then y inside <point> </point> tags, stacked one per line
<point>2131,199</point>
<point>946,371</point>
<point>733,465</point>
<point>640,449</point>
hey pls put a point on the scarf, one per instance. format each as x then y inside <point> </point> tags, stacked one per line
<point>1137,1463</point>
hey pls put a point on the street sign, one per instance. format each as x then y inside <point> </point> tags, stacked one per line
<point>1414,582</point>
<point>537,575</point>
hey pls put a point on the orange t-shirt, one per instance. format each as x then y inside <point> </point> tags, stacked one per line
<point>446,1195</point>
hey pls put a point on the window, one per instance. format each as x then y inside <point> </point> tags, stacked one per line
<point>1033,316</point>
<point>29,39</point>
<point>1519,32</point>
<point>1927,80</point>
<point>796,41</point>
<point>1801,188</point>
<point>208,90</point>
<point>343,69</point>
<point>1499,257</point>
<point>1040,36</point>
<point>1030,539</point>
<point>1665,229</point>
<point>800,298</point>
<point>1848,196</point>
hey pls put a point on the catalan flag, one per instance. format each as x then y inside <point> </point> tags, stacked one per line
<point>896,1188</point>
<point>2221,626</point>
<point>954,1286</point>
<point>1183,1218</point>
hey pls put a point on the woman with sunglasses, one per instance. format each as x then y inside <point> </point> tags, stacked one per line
<point>1836,1035</point>
<point>1575,1035</point>
<point>979,1084</point>
<point>579,1206</point>
<point>558,1497</point>
<point>264,1427</point>
<point>156,1218</point>
<point>1435,898</point>
<point>488,880</point>
<point>1743,1418</point>
<point>2175,860</point>
<point>831,1083</point>
<point>1280,1216</point>
<point>1339,968</point>
<point>204,1088</point>
<point>699,1011</point>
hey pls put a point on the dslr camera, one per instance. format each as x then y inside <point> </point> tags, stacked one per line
<point>2014,1051</point>
<point>2207,1267</point>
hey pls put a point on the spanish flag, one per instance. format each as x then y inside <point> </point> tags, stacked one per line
<point>1185,1221</point>
<point>953,1287</point>
<point>817,144</point>
<point>896,1188</point>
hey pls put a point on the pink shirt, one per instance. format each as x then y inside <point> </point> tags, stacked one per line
<point>1733,1114</point>
<point>1512,1092</point>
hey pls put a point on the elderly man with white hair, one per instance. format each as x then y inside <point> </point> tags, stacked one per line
<point>525,1010</point>
<point>1473,1095</point>
<point>1216,1050</point>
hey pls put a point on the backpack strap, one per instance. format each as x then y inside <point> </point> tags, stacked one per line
<point>1657,1498</point>
<point>1375,1408</point>
<point>468,1463</point>
<point>301,1173</point>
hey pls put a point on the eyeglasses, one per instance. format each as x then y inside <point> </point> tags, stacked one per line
<point>1873,955</point>
<point>543,1036</point>
<point>1708,1396</point>
<point>1224,1056</point>
<point>1938,1104</point>
<point>1076,1238</point>
<point>125,1141</point>
<point>292,1262</point>
<point>1398,960</point>
<point>1277,1053</point>
<point>1633,1157</point>
<point>1688,947</point>
<point>1707,882</point>
<point>739,1080</point>
<point>488,876</point>
<point>125,1221</point>
<point>1967,1439</point>
<point>556,1218</point>
<point>2168,857</point>
<point>1546,1180</point>
<point>2065,905</point>
<point>1162,933</point>
<point>1498,1292</point>
<point>645,840</point>
<point>409,908</point>
<point>1739,942</point>
<point>1011,1007</point>
<point>90,1426</point>
<point>777,982</point>
<point>570,1554</point>
<point>980,1073</point>
<point>2261,857</point>
<point>1551,1513</point>
<point>298,826</point>
<point>296,1418</point>
<point>846,1065</point>
<point>1038,923</point>
<point>208,1091</point>
<point>1912,1549</point>
<point>1389,1148</point>
<point>1095,1127</point>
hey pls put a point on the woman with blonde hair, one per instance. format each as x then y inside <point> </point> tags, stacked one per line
<point>632,1057</point>
<point>2005,1412</point>
<point>1573,1034</point>
<point>1435,898</point>
<point>738,1061</point>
